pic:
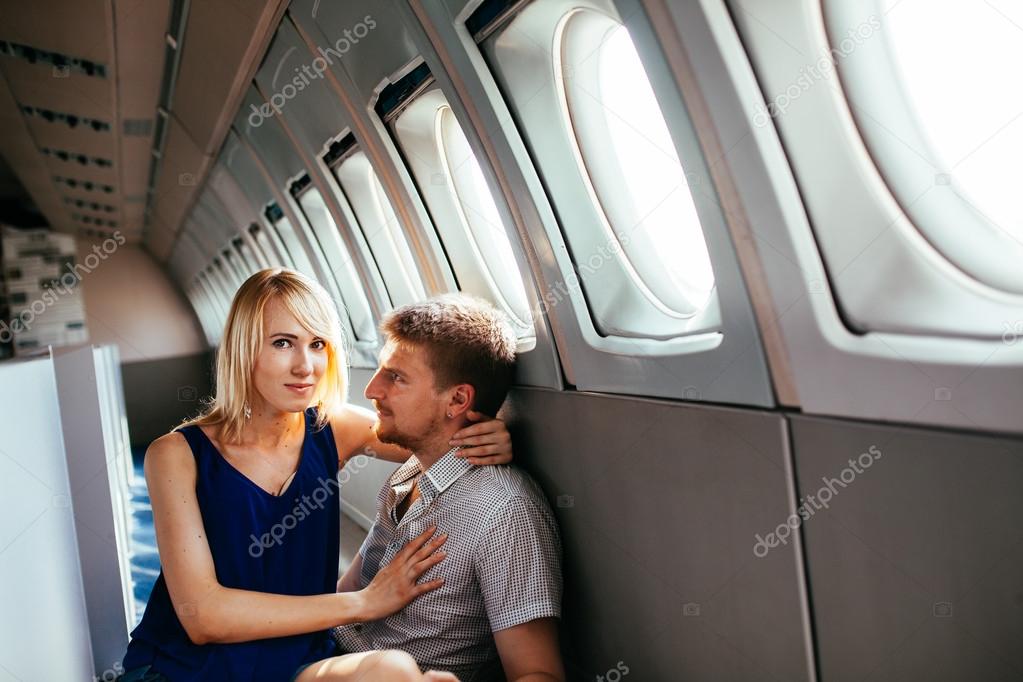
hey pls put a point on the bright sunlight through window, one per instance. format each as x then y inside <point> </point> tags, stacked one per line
<point>479,214</point>
<point>630,159</point>
<point>960,63</point>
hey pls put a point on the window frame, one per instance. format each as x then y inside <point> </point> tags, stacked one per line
<point>416,133</point>
<point>264,239</point>
<point>248,258</point>
<point>779,180</point>
<point>200,303</point>
<point>908,161</point>
<point>728,365</point>
<point>612,313</point>
<point>390,265</point>
<point>364,332</point>
<point>213,289</point>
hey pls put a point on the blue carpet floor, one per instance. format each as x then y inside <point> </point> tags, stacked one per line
<point>145,562</point>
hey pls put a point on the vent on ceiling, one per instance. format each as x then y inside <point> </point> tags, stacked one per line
<point>85,160</point>
<point>62,64</point>
<point>92,220</point>
<point>87,185</point>
<point>90,232</point>
<point>91,205</point>
<point>171,63</point>
<point>138,127</point>
<point>70,120</point>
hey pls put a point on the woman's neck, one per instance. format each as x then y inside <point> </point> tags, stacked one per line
<point>270,428</point>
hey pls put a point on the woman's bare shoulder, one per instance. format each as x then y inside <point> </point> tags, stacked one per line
<point>169,453</point>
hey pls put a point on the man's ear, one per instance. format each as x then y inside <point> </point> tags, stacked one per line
<point>462,398</point>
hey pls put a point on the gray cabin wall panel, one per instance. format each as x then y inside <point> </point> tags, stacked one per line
<point>915,566</point>
<point>160,394</point>
<point>368,38</point>
<point>270,142</point>
<point>241,164</point>
<point>292,81</point>
<point>658,505</point>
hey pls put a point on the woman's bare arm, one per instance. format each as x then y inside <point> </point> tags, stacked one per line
<point>210,612</point>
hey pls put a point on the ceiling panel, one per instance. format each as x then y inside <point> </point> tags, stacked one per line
<point>71,92</point>
<point>80,28</point>
<point>141,34</point>
<point>181,168</point>
<point>160,239</point>
<point>220,45</point>
<point>66,63</point>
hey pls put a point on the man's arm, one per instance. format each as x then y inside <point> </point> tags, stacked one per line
<point>518,566</point>
<point>529,652</point>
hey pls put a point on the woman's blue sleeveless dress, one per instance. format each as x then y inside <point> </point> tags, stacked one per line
<point>260,542</point>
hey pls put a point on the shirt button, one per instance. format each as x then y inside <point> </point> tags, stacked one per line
<point>358,627</point>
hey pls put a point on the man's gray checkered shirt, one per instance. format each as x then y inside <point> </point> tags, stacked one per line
<point>503,564</point>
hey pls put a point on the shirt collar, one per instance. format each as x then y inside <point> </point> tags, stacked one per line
<point>406,472</point>
<point>442,474</point>
<point>437,478</point>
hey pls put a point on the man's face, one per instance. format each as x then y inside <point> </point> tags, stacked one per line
<point>410,410</point>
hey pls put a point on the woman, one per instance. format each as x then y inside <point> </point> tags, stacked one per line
<point>246,511</point>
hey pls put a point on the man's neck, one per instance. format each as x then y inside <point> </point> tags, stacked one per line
<point>429,453</point>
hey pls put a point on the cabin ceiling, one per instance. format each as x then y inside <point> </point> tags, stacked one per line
<point>100,143</point>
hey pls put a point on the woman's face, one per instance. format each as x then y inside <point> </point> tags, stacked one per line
<point>290,363</point>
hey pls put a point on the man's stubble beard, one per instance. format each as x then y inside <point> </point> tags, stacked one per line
<point>394,436</point>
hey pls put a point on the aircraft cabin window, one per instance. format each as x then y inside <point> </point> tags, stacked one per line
<point>380,225</point>
<point>632,171</point>
<point>249,261</point>
<point>234,267</point>
<point>204,310</point>
<point>970,131</point>
<point>216,288</point>
<point>337,256</point>
<point>228,279</point>
<point>292,246</point>
<point>613,171</point>
<point>464,211</point>
<point>265,244</point>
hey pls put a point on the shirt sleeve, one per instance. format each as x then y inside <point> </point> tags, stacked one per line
<point>518,564</point>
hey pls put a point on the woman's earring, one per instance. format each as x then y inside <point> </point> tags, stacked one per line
<point>449,415</point>
<point>248,411</point>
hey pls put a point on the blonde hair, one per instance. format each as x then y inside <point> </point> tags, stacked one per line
<point>243,336</point>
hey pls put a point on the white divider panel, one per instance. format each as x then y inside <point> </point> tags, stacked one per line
<point>96,452</point>
<point>43,623</point>
<point>120,469</point>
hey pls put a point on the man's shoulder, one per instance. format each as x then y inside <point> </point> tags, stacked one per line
<point>497,487</point>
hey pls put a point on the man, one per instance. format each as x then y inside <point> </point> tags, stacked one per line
<point>501,594</point>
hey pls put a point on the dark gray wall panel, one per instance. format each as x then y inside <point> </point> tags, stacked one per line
<point>158,394</point>
<point>663,501</point>
<point>916,566</point>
